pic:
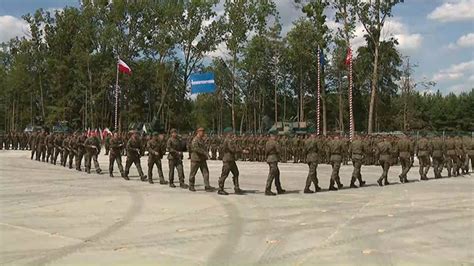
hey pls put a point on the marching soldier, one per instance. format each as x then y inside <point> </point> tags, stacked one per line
<point>72,144</point>
<point>336,147</point>
<point>460,153</point>
<point>382,152</point>
<point>423,152</point>
<point>470,153</point>
<point>107,143</point>
<point>80,150</point>
<point>32,140</point>
<point>439,151</point>
<point>356,150</point>
<point>66,150</point>
<point>273,149</point>
<point>133,156</point>
<point>451,156</point>
<point>174,145</point>
<point>58,147</point>
<point>312,150</point>
<point>92,148</point>
<point>49,142</point>
<point>40,146</point>
<point>115,154</point>
<point>228,165</point>
<point>156,147</point>
<point>405,153</point>
<point>199,156</point>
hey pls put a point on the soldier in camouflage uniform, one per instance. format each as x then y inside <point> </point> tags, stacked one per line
<point>115,154</point>
<point>273,150</point>
<point>336,147</point>
<point>58,147</point>
<point>423,152</point>
<point>107,143</point>
<point>49,142</point>
<point>156,147</point>
<point>40,146</point>
<point>228,165</point>
<point>312,149</point>
<point>72,144</point>
<point>383,153</point>
<point>438,154</point>
<point>80,150</point>
<point>405,153</point>
<point>134,146</point>
<point>92,150</point>
<point>199,158</point>
<point>174,145</point>
<point>66,150</point>
<point>451,157</point>
<point>32,141</point>
<point>460,153</point>
<point>470,153</point>
<point>357,148</point>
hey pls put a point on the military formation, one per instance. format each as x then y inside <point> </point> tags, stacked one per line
<point>75,150</point>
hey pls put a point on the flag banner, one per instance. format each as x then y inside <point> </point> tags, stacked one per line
<point>202,83</point>
<point>123,67</point>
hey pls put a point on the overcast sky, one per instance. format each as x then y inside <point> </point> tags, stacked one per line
<point>438,35</point>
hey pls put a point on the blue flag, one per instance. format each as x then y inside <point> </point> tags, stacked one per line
<point>202,83</point>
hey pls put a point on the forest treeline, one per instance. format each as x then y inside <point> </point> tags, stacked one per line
<point>65,68</point>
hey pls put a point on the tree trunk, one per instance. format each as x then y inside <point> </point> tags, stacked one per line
<point>373,90</point>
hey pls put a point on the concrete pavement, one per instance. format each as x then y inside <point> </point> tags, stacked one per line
<point>57,216</point>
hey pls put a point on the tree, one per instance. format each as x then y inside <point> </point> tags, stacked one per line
<point>372,15</point>
<point>242,17</point>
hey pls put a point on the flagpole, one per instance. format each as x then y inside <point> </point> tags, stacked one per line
<point>116,99</point>
<point>351,114</point>
<point>318,93</point>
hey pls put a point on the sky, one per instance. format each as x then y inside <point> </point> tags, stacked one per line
<point>437,35</point>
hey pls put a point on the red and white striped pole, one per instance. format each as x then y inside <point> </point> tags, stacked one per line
<point>351,114</point>
<point>117,99</point>
<point>318,94</point>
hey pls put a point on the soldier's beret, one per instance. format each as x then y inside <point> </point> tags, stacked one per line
<point>173,130</point>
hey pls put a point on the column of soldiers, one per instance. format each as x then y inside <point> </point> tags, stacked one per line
<point>456,154</point>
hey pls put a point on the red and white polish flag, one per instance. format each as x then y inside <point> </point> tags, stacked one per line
<point>124,68</point>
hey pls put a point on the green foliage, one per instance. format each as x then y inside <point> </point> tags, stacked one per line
<point>65,69</point>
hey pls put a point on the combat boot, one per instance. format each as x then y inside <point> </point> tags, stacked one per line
<point>361,183</point>
<point>125,176</point>
<point>163,181</point>
<point>183,185</point>
<point>191,188</point>
<point>424,178</point>
<point>331,185</point>
<point>172,185</point>
<point>386,182</point>
<point>143,178</point>
<point>379,181</point>
<point>111,174</point>
<point>269,193</point>
<point>210,189</point>
<point>308,191</point>
<point>238,191</point>
<point>150,180</point>
<point>353,185</point>
<point>222,192</point>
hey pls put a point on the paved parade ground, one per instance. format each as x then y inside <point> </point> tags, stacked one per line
<point>57,216</point>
